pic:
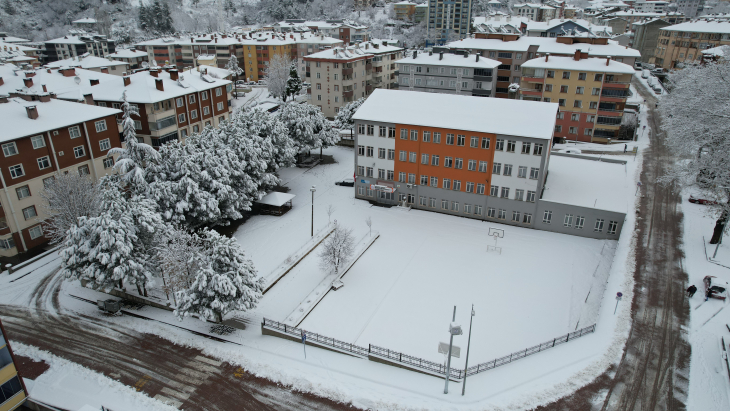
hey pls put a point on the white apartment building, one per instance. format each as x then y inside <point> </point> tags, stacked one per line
<point>651,6</point>
<point>448,73</point>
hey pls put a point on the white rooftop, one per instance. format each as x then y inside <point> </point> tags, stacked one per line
<point>719,51</point>
<point>86,20</point>
<point>589,64</point>
<point>127,54</point>
<point>64,87</point>
<point>546,45</point>
<point>586,183</point>
<point>276,199</point>
<point>87,62</point>
<point>52,115</point>
<point>449,59</point>
<point>11,39</point>
<point>479,114</point>
<point>701,27</point>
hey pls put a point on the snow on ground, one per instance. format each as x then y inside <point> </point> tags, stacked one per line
<point>709,388</point>
<point>70,386</point>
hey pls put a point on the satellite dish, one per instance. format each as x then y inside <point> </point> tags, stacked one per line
<point>77,80</point>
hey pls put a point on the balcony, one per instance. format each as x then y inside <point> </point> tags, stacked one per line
<point>615,85</point>
<point>368,66</point>
<point>348,94</point>
<point>368,89</point>
<point>536,93</point>
<point>347,72</point>
<point>533,79</point>
<point>604,133</point>
<point>610,112</point>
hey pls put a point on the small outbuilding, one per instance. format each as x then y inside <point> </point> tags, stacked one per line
<point>275,203</point>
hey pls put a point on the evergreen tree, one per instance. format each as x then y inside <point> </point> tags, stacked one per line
<point>307,127</point>
<point>294,83</point>
<point>344,116</point>
<point>225,280</point>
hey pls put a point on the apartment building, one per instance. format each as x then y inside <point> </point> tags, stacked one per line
<point>448,19</point>
<point>404,10</point>
<point>62,83</point>
<point>12,388</point>
<point>633,16</point>
<point>171,104</point>
<point>429,152</point>
<point>535,11</point>
<point>512,51</point>
<point>447,73</point>
<point>182,52</point>
<point>690,8</point>
<point>646,37</point>
<point>421,13</point>
<point>562,27</point>
<point>40,139</point>
<point>342,75</point>
<point>134,58</point>
<point>683,43</point>
<point>75,46</point>
<point>651,6</point>
<point>308,44</point>
<point>590,92</point>
<point>92,63</point>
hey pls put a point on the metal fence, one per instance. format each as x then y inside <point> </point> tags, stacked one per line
<point>399,357</point>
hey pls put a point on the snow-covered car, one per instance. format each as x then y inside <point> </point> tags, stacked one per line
<point>693,199</point>
<point>348,182</point>
<point>262,82</point>
<point>240,83</point>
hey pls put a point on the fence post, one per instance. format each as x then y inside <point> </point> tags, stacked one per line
<point>369,346</point>
<point>525,352</point>
<point>567,338</point>
<point>478,365</point>
<point>553,342</point>
<point>400,358</point>
<point>284,327</point>
<point>495,364</point>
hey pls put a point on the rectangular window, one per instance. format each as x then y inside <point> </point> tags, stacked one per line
<point>537,150</point>
<point>566,75</point>
<point>547,217</point>
<point>390,175</point>
<point>369,151</point>
<point>485,142</point>
<point>382,131</point>
<point>501,214</point>
<point>191,99</point>
<point>426,136</point>
<point>497,168</point>
<point>598,77</point>
<point>84,170</point>
<point>179,101</point>
<point>381,153</point>
<point>450,139</point>
<point>10,149</point>
<point>474,142</point>
<point>219,106</point>
<point>446,185</point>
<point>507,170</point>
<point>16,171</point>
<point>444,204</point>
<point>434,160</point>
<point>530,196</point>
<point>519,194</point>
<point>525,148</point>
<point>361,190</point>
<point>472,165</point>
<point>434,182</point>
<point>100,126</point>
<point>491,212</point>
<point>22,192</point>
<point>432,202</point>
<point>361,150</point>
<point>599,225</point>
<point>424,159</point>
<point>563,89</point>
<point>459,163</point>
<point>35,232</point>
<point>579,221</point>
<point>454,206</point>
<point>109,162</point>
<point>568,221</point>
<point>480,188</point>
<point>558,129</point>
<point>38,142</point>
<point>577,104</point>
<point>469,187</point>
<point>477,210</point>
<point>29,212</point>
<point>412,157</point>
<point>424,180</point>
<point>371,129</point>
<point>467,208</point>
<point>511,146</point>
<point>612,226</point>
<point>505,192</point>
<point>516,216</point>
<point>534,173</point>
<point>403,134</point>
<point>204,95</point>
<point>448,162</point>
<point>44,162</point>
<point>391,132</point>
<point>457,185</point>
<point>361,129</point>
<point>527,218</point>
<point>181,118</point>
<point>411,178</point>
<point>206,110</point>
<point>401,177</point>
<point>368,171</point>
<point>494,191</point>
<point>402,155</point>
<point>381,173</point>
<point>414,135</point>
<point>437,138</point>
<point>460,140</point>
<point>422,201</point>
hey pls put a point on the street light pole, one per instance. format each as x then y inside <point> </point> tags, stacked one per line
<point>313,189</point>
<point>468,344</point>
<point>453,330</point>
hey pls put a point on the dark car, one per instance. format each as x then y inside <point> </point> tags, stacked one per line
<point>348,182</point>
<point>702,201</point>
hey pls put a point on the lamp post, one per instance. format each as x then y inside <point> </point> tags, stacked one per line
<point>313,189</point>
<point>468,344</point>
<point>454,329</point>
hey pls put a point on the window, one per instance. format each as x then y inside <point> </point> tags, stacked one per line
<point>500,145</point>
<point>219,106</point>
<point>496,168</point>
<point>437,138</point>
<point>598,77</point>
<point>548,88</point>
<point>572,130</point>
<point>460,140</point>
<point>10,149</point>
<point>469,187</point>
<point>599,225</point>
<point>505,192</point>
<point>138,124</point>
<point>563,89</point>
<point>79,151</point>
<point>84,170</point>
<point>426,136</point>
<point>414,135</point>
<point>485,142</point>
<point>22,192</point>
<point>579,221</point>
<point>472,165</point>
<point>474,142</point>
<point>446,185</point>
<point>444,204</point>
<point>454,206</point>
<point>432,202</point>
<point>16,171</point>
<point>424,180</point>
<point>612,225</point>
<point>511,146</point>
<point>422,201</point>
<point>448,162</point>
<point>382,131</point>
<point>575,117</point>
<point>100,126</point>
<point>361,150</point>
<point>391,132</point>
<point>561,103</point>
<point>531,196</point>
<point>381,174</point>
<point>577,104</point>
<point>596,91</point>
<point>361,190</point>
<point>44,162</point>
<point>381,153</point>
<point>450,139</point>
<point>477,210</point>
<point>525,148</point>
<point>206,110</point>
<point>434,182</point>
<point>391,154</point>
<point>401,177</point>
<point>191,99</point>
<point>507,170</point>
<point>534,173</point>
<point>459,163</point>
<point>371,129</point>
<point>566,75</point>
<point>38,142</point>
<point>568,221</point>
<point>361,129</point>
<point>109,162</point>
<point>501,214</point>
<point>537,150</point>
<point>403,134</point>
<point>369,151</point>
<point>181,118</point>
<point>434,160</point>
<point>424,159</point>
<point>390,175</point>
<point>516,216</point>
<point>412,157</point>
<point>547,217</point>
<point>457,185</point>
<point>35,232</point>
<point>491,212</point>
<point>29,212</point>
<point>204,95</point>
<point>480,188</point>
<point>411,178</point>
<point>179,101</point>
<point>519,195</point>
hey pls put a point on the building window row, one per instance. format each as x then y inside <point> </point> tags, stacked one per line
<point>578,222</point>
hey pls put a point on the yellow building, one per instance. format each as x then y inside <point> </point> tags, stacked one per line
<point>404,10</point>
<point>683,43</point>
<point>12,388</point>
<point>259,48</point>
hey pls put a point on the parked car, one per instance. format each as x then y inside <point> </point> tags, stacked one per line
<point>348,182</point>
<point>262,82</point>
<point>240,83</point>
<point>693,199</point>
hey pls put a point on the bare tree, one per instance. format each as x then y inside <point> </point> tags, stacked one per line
<point>178,253</point>
<point>66,198</point>
<point>277,75</point>
<point>338,249</point>
<point>369,223</point>
<point>330,210</point>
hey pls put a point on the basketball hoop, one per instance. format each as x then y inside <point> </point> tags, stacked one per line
<point>496,233</point>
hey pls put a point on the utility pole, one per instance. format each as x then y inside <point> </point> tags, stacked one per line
<point>468,345</point>
<point>453,330</point>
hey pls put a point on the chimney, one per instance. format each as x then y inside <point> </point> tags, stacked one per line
<point>367,46</point>
<point>546,56</point>
<point>153,72</point>
<point>89,99</point>
<point>29,73</point>
<point>68,71</point>
<point>477,56</point>
<point>441,55</point>
<point>105,70</point>
<point>173,74</point>
<point>576,56</point>
<point>45,90</point>
<point>92,81</point>
<point>216,39</point>
<point>127,80</point>
<point>192,39</point>
<point>48,70</point>
<point>608,60</point>
<point>466,54</point>
<point>28,82</point>
<point>2,81</point>
<point>415,54</point>
<point>385,43</point>
<point>32,112</point>
<point>158,84</point>
<point>44,98</point>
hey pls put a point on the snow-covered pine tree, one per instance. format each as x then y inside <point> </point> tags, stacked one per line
<point>135,156</point>
<point>226,280</point>
<point>115,245</point>
<point>294,83</point>
<point>232,66</point>
<point>343,120</point>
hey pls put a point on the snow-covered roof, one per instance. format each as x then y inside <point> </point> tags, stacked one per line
<point>11,39</point>
<point>87,62</point>
<point>499,116</point>
<point>546,45</point>
<point>66,40</point>
<point>450,59</point>
<point>547,25</point>
<point>127,54</point>
<point>586,183</point>
<point>589,64</point>
<point>215,71</point>
<point>720,51</point>
<point>206,57</point>
<point>55,82</point>
<point>340,53</point>
<point>17,47</point>
<point>86,20</point>
<point>52,115</point>
<point>276,199</point>
<point>142,88</point>
<point>701,27</point>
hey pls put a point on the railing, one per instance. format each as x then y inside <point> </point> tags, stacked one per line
<point>616,82</point>
<point>320,339</point>
<point>415,361</point>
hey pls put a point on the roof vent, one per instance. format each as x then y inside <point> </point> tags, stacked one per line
<point>32,112</point>
<point>127,80</point>
<point>159,85</point>
<point>28,82</point>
